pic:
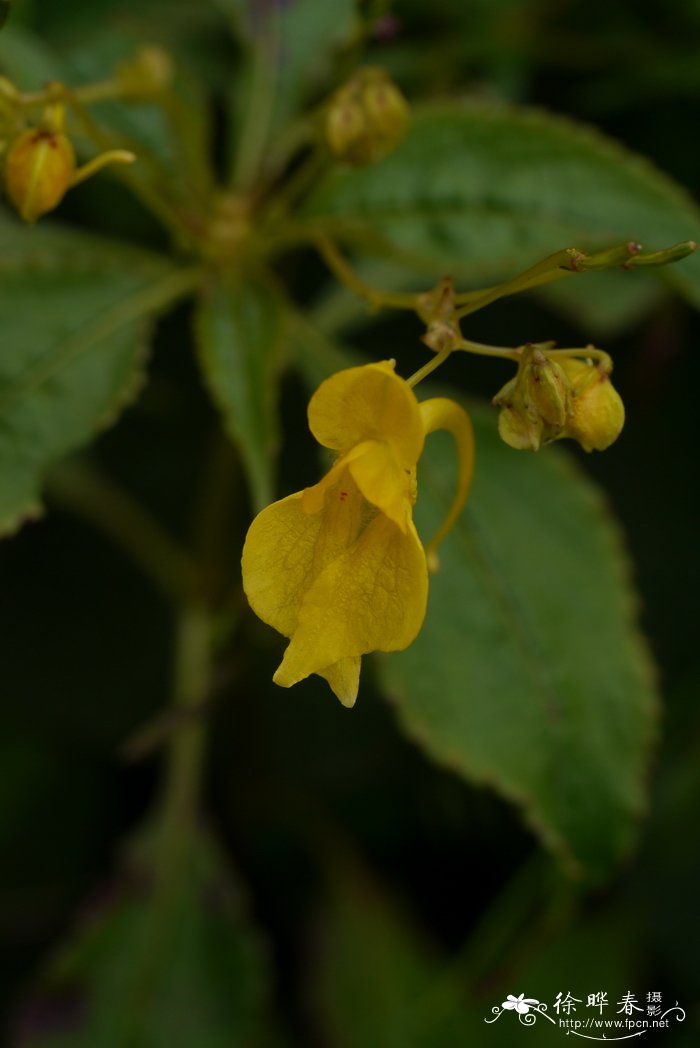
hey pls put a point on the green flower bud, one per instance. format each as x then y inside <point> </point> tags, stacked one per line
<point>346,127</point>
<point>386,109</point>
<point>519,429</point>
<point>546,389</point>
<point>148,73</point>
<point>366,118</point>
<point>518,425</point>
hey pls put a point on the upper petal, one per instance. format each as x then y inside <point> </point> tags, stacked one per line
<point>370,598</point>
<point>368,403</point>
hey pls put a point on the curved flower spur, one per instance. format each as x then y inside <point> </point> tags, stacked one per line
<point>339,568</point>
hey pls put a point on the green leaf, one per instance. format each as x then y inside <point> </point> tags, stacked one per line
<point>74,316</point>
<point>370,950</point>
<point>129,978</point>
<point>299,39</point>
<point>605,304</point>
<point>370,954</point>
<point>529,675</point>
<point>483,192</point>
<point>26,60</point>
<point>239,333</point>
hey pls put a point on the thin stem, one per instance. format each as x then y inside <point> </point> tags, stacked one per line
<point>338,265</point>
<point>84,490</point>
<point>428,368</point>
<point>176,816</point>
<point>488,351</point>
<point>153,197</point>
<point>300,181</point>
<point>182,783</point>
<point>556,267</point>
<point>87,94</point>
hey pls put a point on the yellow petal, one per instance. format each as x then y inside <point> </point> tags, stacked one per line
<point>442,413</point>
<point>379,477</point>
<point>383,482</point>
<point>344,679</point>
<point>368,403</point>
<point>287,547</point>
<point>370,598</point>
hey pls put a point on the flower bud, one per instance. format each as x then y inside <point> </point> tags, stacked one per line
<point>39,169</point>
<point>386,108</point>
<point>346,127</point>
<point>546,389</point>
<point>518,425</point>
<point>519,429</point>
<point>148,73</point>
<point>366,118</point>
<point>596,411</point>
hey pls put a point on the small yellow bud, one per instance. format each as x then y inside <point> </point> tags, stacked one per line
<point>39,169</point>
<point>596,411</point>
<point>386,108</point>
<point>546,389</point>
<point>346,127</point>
<point>148,73</point>
<point>366,118</point>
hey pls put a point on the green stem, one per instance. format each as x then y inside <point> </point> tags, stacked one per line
<point>153,194</point>
<point>298,184</point>
<point>84,490</point>
<point>177,818</point>
<point>554,267</point>
<point>428,368</point>
<point>488,351</point>
<point>346,274</point>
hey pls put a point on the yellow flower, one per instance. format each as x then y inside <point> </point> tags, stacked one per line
<point>339,567</point>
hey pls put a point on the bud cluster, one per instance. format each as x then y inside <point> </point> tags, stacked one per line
<point>564,397</point>
<point>366,117</point>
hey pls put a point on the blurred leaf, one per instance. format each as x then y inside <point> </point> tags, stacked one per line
<point>172,138</point>
<point>26,60</point>
<point>298,38</point>
<point>529,675</point>
<point>131,980</point>
<point>370,953</point>
<point>532,939</point>
<point>74,312</point>
<point>239,331</point>
<point>482,192</point>
<point>605,304</point>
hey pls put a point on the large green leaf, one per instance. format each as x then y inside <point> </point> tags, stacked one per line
<point>74,317</point>
<point>195,979</point>
<point>239,332</point>
<point>482,192</point>
<point>529,675</point>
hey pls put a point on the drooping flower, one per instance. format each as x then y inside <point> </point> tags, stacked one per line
<point>339,567</point>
